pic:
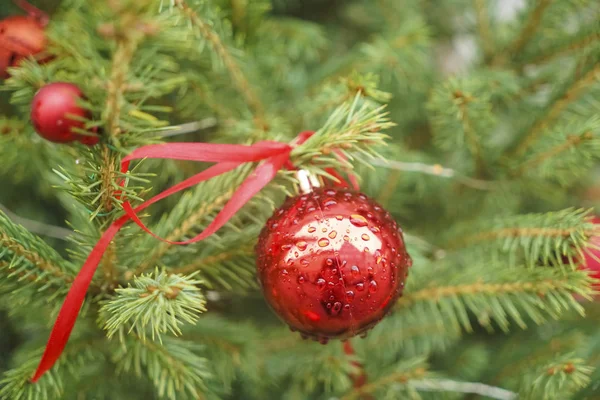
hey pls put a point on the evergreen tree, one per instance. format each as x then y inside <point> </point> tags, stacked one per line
<point>487,160</point>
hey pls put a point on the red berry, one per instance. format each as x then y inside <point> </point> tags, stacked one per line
<point>55,113</point>
<point>331,263</point>
<point>20,37</point>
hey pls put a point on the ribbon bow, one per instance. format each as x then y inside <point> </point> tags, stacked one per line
<point>273,157</point>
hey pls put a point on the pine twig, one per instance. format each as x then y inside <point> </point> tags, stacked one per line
<point>526,34</point>
<point>440,292</point>
<point>470,135</point>
<point>190,222</point>
<point>483,25</point>
<point>557,107</point>
<point>513,232</point>
<point>212,259</point>
<point>567,48</point>
<point>239,79</point>
<point>572,141</point>
<point>436,170</point>
<point>18,249</point>
<point>447,385</point>
<point>37,227</point>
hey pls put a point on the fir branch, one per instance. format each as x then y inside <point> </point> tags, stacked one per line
<point>352,128</point>
<point>501,295</point>
<point>191,222</point>
<point>28,254</point>
<point>239,79</point>
<point>447,385</point>
<point>212,259</point>
<point>526,34</point>
<point>566,48</point>
<point>158,301</point>
<point>174,367</point>
<point>37,227</point>
<point>556,108</point>
<point>461,116</point>
<point>550,238</point>
<point>402,374</point>
<point>483,25</point>
<point>570,142</point>
<point>558,379</point>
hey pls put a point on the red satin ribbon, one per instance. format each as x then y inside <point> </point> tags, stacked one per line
<point>273,157</point>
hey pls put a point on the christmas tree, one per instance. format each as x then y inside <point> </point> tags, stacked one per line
<point>471,127</point>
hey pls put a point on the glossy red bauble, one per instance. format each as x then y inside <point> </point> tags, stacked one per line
<point>20,37</point>
<point>331,263</point>
<point>55,114</point>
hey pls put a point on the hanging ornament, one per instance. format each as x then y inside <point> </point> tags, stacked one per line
<point>381,264</point>
<point>21,37</point>
<point>331,263</point>
<point>56,114</point>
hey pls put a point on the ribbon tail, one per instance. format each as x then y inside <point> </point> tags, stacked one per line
<point>72,305</point>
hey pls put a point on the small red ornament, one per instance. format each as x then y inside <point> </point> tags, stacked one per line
<point>331,263</point>
<point>21,37</point>
<point>55,113</point>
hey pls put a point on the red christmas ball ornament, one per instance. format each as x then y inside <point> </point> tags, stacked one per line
<point>331,263</point>
<point>55,114</point>
<point>20,37</point>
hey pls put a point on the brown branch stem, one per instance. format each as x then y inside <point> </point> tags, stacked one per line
<point>483,25</point>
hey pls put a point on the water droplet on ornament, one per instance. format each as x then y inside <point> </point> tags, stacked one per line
<point>331,284</point>
<point>355,270</point>
<point>329,202</point>
<point>375,229</point>
<point>323,340</point>
<point>362,197</point>
<point>339,217</point>
<point>323,242</point>
<point>284,272</point>
<point>349,295</point>
<point>301,279</point>
<point>329,262</point>
<point>367,250</point>
<point>365,237</point>
<point>286,247</point>
<point>311,209</point>
<point>337,306</point>
<point>346,306</point>
<point>329,305</point>
<point>363,335</point>
<point>321,283</point>
<point>332,234</point>
<point>334,271</point>
<point>330,192</point>
<point>360,287</point>
<point>358,220</point>
<point>311,229</point>
<point>304,262</point>
<point>372,286</point>
<point>296,221</point>
<point>370,270</point>
<point>302,245</point>
<point>296,254</point>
